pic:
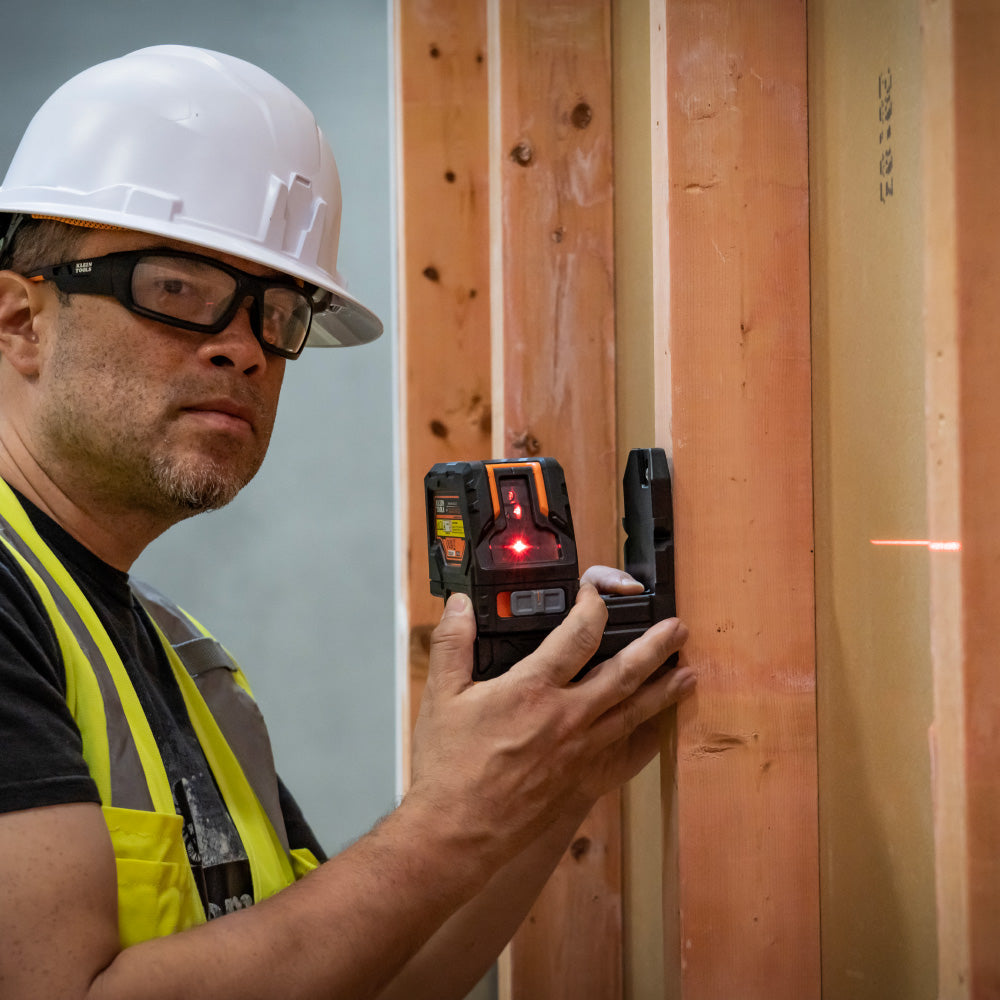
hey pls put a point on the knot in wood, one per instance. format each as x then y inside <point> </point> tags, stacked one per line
<point>522,154</point>
<point>582,115</point>
<point>526,442</point>
<point>579,847</point>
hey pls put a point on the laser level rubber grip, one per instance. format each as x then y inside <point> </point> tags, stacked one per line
<point>502,532</point>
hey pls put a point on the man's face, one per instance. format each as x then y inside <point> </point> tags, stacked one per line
<point>149,416</point>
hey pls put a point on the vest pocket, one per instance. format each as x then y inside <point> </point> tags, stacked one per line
<point>156,892</point>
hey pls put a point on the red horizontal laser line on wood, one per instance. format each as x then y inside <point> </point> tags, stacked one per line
<point>933,546</point>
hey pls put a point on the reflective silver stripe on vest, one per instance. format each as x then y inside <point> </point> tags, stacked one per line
<point>234,711</point>
<point>129,789</point>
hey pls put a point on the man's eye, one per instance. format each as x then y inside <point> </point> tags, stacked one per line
<point>174,286</point>
<point>276,314</point>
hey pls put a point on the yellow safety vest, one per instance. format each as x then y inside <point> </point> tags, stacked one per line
<point>156,888</point>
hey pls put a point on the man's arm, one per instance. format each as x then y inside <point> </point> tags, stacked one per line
<point>462,951</point>
<point>342,931</point>
<point>496,770</point>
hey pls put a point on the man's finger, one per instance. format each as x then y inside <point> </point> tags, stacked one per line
<point>609,580</point>
<point>451,652</point>
<point>629,715</point>
<point>620,676</point>
<point>565,651</point>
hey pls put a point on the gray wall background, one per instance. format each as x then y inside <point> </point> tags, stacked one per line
<point>297,576</point>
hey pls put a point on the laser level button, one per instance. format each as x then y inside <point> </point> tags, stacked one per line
<point>537,602</point>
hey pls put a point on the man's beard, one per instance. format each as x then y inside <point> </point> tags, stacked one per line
<point>193,489</point>
<point>169,486</point>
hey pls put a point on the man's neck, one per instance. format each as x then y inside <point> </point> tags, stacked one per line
<point>114,533</point>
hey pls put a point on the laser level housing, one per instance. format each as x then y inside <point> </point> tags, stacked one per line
<point>502,532</point>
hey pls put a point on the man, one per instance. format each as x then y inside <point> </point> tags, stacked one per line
<point>170,243</point>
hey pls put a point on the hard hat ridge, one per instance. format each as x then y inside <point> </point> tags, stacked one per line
<point>196,146</point>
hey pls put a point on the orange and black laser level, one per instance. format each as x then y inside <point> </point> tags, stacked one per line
<point>502,532</point>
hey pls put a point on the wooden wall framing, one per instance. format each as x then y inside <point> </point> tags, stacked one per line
<point>509,346</point>
<point>545,172</point>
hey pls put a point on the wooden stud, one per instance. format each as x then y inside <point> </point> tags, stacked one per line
<point>738,273</point>
<point>962,298</point>
<point>642,834</point>
<point>875,694</point>
<point>553,321</point>
<point>444,279</point>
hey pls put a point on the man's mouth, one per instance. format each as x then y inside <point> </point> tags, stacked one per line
<point>224,414</point>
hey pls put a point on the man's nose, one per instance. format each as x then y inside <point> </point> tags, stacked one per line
<point>237,345</point>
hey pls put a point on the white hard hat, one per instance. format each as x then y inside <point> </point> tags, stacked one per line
<point>195,146</point>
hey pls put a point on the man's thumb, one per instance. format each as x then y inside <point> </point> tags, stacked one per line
<point>451,644</point>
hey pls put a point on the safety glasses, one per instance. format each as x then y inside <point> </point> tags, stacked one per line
<point>194,292</point>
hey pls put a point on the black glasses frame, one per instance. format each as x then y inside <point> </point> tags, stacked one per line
<point>112,275</point>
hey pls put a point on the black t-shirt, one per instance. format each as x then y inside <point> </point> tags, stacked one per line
<point>41,760</point>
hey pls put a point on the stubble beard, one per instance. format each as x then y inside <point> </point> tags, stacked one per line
<point>190,488</point>
<point>167,485</point>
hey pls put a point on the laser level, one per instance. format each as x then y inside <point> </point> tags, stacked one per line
<point>502,532</point>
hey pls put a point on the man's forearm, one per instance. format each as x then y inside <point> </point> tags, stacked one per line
<point>461,952</point>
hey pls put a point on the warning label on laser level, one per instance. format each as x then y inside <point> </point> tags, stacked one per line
<point>449,527</point>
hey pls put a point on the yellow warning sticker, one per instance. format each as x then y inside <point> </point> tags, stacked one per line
<point>450,527</point>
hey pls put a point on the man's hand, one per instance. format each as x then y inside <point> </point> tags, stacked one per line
<point>505,758</point>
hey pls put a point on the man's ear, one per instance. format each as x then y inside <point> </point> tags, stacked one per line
<point>21,303</point>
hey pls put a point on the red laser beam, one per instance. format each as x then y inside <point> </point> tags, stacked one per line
<point>934,546</point>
